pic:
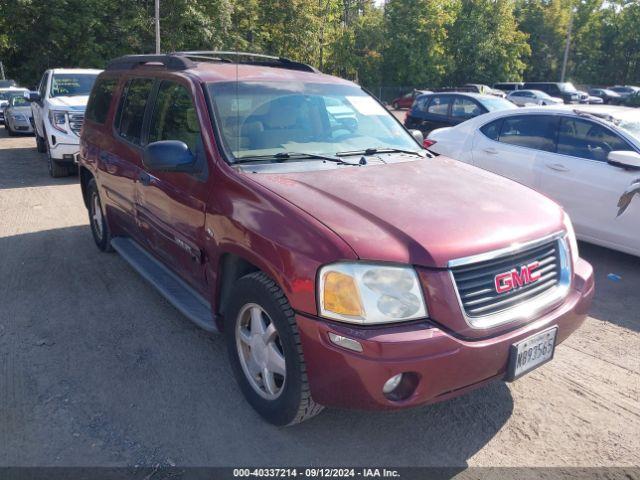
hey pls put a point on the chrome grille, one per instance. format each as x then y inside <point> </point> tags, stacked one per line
<point>476,287</point>
<point>75,122</point>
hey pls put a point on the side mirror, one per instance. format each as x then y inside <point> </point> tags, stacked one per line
<point>624,159</point>
<point>168,156</point>
<point>32,96</point>
<point>417,134</point>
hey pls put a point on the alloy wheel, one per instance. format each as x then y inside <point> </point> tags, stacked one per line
<point>260,351</point>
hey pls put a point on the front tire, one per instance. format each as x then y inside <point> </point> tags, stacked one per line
<point>41,145</point>
<point>97,220</point>
<point>266,353</point>
<point>55,169</point>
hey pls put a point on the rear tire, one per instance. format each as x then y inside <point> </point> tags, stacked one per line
<point>97,220</point>
<point>278,389</point>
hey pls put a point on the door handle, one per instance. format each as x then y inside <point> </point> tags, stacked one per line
<point>144,178</point>
<point>558,167</point>
<point>490,151</point>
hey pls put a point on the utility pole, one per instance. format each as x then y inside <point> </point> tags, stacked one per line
<point>1,71</point>
<point>567,46</point>
<point>157,26</point>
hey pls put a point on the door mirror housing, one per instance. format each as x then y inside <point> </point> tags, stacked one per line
<point>624,159</point>
<point>32,96</point>
<point>169,156</point>
<point>417,134</point>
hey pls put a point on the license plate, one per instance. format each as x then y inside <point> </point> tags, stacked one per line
<point>531,352</point>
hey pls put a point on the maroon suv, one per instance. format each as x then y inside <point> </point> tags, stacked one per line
<point>345,265</point>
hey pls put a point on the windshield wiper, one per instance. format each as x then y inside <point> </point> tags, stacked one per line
<point>284,156</point>
<point>374,150</point>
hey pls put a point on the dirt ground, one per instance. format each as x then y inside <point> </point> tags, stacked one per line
<point>96,368</point>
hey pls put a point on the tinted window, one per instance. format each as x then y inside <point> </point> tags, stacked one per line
<point>100,99</point>
<point>174,116</point>
<point>585,139</point>
<point>439,106</point>
<point>492,130</point>
<point>465,108</point>
<point>132,109</point>
<point>532,131</point>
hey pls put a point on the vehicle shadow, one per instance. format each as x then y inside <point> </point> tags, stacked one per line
<point>23,166</point>
<point>617,276</point>
<point>97,357</point>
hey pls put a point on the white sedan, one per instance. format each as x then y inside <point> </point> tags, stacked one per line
<point>524,98</point>
<point>587,158</point>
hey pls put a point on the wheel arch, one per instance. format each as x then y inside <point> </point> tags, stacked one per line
<point>231,268</point>
<point>85,177</point>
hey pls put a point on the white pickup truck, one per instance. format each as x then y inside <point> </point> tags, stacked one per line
<point>58,113</point>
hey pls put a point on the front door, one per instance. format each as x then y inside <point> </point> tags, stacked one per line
<point>580,179</point>
<point>171,205</point>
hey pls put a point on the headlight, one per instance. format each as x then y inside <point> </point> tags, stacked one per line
<point>366,293</point>
<point>571,236</point>
<point>58,120</point>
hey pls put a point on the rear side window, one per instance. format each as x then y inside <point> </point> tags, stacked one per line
<point>492,130</point>
<point>174,116</point>
<point>100,99</point>
<point>132,109</point>
<point>465,108</point>
<point>589,140</point>
<point>439,106</point>
<point>532,131</point>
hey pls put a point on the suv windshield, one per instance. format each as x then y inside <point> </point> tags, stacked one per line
<point>567,87</point>
<point>68,85</point>
<point>267,118</point>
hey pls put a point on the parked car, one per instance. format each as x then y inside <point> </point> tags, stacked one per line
<point>624,90</point>
<point>436,110</point>
<point>633,100</point>
<point>18,117</point>
<point>564,90</point>
<point>590,99</point>
<point>607,96</point>
<point>524,98</point>
<point>5,95</point>
<point>406,100</point>
<point>508,86</point>
<point>345,268</point>
<point>485,90</point>
<point>58,113</point>
<point>585,159</point>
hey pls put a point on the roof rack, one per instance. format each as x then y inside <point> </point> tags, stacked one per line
<point>186,60</point>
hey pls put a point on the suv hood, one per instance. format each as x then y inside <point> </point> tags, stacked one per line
<point>78,102</point>
<point>423,212</point>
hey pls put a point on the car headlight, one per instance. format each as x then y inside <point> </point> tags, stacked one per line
<point>58,120</point>
<point>571,236</point>
<point>367,293</point>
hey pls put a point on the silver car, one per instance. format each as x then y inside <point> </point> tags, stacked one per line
<point>18,117</point>
<point>529,98</point>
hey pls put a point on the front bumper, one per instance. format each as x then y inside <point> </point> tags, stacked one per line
<point>63,146</point>
<point>445,364</point>
<point>22,126</point>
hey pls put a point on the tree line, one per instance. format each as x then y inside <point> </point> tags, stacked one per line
<point>392,43</point>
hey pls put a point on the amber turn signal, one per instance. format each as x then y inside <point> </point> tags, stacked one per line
<point>341,296</point>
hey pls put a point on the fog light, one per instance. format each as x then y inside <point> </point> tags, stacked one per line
<point>391,384</point>
<point>345,342</point>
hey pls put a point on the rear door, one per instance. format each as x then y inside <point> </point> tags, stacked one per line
<point>120,160</point>
<point>508,146</point>
<point>580,179</point>
<point>171,206</point>
<point>435,114</point>
<point>463,108</point>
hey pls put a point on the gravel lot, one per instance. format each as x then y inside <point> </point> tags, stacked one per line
<point>96,368</point>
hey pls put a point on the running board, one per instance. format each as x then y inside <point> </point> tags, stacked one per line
<point>173,288</point>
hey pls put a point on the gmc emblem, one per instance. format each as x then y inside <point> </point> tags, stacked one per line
<point>507,281</point>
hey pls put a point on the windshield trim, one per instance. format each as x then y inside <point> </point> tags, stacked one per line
<point>228,156</point>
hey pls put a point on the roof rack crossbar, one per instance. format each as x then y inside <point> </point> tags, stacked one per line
<point>262,59</point>
<point>170,61</point>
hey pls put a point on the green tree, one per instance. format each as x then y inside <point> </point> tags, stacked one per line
<point>484,43</point>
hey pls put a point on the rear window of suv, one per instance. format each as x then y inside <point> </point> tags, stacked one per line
<point>101,95</point>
